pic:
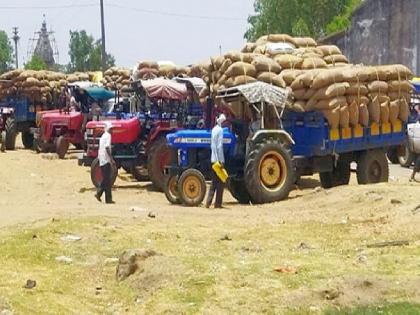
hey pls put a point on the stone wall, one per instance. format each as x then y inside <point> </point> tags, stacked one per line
<point>383,32</point>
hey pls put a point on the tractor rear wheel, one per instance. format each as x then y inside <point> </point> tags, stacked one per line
<point>269,171</point>
<point>140,173</point>
<point>11,133</point>
<point>28,139</point>
<point>238,190</point>
<point>62,146</point>
<point>191,188</point>
<point>407,157</point>
<point>339,176</point>
<point>96,174</point>
<point>372,167</point>
<point>158,157</point>
<point>171,189</point>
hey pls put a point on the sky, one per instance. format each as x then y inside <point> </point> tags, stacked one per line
<point>182,31</point>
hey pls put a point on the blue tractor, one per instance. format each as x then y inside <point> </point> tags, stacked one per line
<point>269,147</point>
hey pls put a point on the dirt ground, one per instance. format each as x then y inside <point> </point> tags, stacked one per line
<point>322,234</point>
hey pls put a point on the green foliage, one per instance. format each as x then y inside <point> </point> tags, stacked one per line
<point>36,63</point>
<point>6,52</point>
<point>299,17</point>
<point>85,53</point>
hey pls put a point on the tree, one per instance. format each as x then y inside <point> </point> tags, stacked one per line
<point>85,53</point>
<point>299,17</point>
<point>36,63</point>
<point>6,52</point>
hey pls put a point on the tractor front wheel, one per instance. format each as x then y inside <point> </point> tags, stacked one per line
<point>191,188</point>
<point>171,189</point>
<point>159,156</point>
<point>11,133</point>
<point>96,174</point>
<point>62,146</point>
<point>269,171</point>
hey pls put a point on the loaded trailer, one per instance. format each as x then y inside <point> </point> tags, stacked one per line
<point>264,164</point>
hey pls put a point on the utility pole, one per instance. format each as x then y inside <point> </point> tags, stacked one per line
<point>103,50</point>
<point>16,39</point>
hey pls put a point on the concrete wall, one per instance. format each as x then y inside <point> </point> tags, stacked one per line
<point>383,32</point>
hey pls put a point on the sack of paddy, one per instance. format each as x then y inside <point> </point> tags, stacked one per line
<point>397,95</point>
<point>354,74</point>
<point>364,115</point>
<point>397,72</point>
<point>288,61</point>
<point>378,87</point>
<point>331,59</point>
<point>357,89</point>
<point>304,79</point>
<point>147,73</point>
<point>265,64</point>
<point>404,110</point>
<point>378,73</point>
<point>333,91</point>
<point>290,75</point>
<point>301,94</point>
<point>240,68</point>
<point>344,117</point>
<point>271,78</point>
<point>394,110</point>
<point>262,40</point>
<point>354,114</point>
<point>236,56</point>
<point>281,38</point>
<point>30,82</point>
<point>243,79</point>
<point>215,76</point>
<point>313,63</point>
<point>305,42</point>
<point>385,113</point>
<point>217,62</point>
<point>148,64</point>
<point>333,117</point>
<point>382,98</point>
<point>249,48</point>
<point>400,86</point>
<point>327,77</point>
<point>222,80</point>
<point>328,50</point>
<point>374,108</point>
<point>327,104</point>
<point>358,99</point>
<point>297,106</point>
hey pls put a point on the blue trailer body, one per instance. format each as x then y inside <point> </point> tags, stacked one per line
<point>24,111</point>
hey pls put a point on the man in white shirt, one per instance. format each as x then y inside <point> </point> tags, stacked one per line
<point>106,162</point>
<point>217,155</point>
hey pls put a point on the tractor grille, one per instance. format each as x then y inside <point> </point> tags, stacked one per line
<point>92,143</point>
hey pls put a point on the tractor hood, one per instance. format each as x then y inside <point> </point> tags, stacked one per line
<point>184,139</point>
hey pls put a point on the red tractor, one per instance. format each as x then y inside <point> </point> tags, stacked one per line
<point>58,129</point>
<point>139,144</point>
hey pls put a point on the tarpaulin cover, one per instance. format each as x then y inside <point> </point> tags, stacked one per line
<point>165,89</point>
<point>258,92</point>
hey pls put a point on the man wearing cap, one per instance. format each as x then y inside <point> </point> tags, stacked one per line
<point>217,155</point>
<point>106,162</point>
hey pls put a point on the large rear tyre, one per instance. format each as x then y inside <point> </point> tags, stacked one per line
<point>372,167</point>
<point>11,133</point>
<point>269,171</point>
<point>96,174</point>
<point>238,190</point>
<point>158,157</point>
<point>171,189</point>
<point>191,188</point>
<point>62,146</point>
<point>27,139</point>
<point>407,158</point>
<point>339,176</point>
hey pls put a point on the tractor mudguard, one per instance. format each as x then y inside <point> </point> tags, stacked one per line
<point>280,134</point>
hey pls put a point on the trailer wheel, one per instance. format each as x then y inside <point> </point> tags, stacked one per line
<point>269,171</point>
<point>191,188</point>
<point>372,167</point>
<point>61,146</point>
<point>140,173</point>
<point>339,176</point>
<point>11,133</point>
<point>96,174</point>
<point>392,155</point>
<point>171,189</point>
<point>407,157</point>
<point>238,190</point>
<point>27,139</point>
<point>159,156</point>
<point>3,141</point>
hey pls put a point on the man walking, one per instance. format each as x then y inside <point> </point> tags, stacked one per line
<point>106,162</point>
<point>217,155</point>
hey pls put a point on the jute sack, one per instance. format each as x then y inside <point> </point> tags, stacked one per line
<point>378,73</point>
<point>307,77</point>
<point>305,42</point>
<point>243,79</point>
<point>148,71</point>
<point>382,98</point>
<point>326,93</point>
<point>327,104</point>
<point>404,110</point>
<point>298,106</point>
<point>290,75</point>
<point>217,62</point>
<point>313,63</point>
<point>328,50</point>
<point>237,56</point>
<point>281,38</point>
<point>148,64</point>
<point>225,65</point>
<point>397,95</point>
<point>354,114</point>
<point>249,47</point>
<point>394,110</point>
<point>300,94</point>
<point>333,117</point>
<point>357,89</point>
<point>397,72</point>
<point>374,109</point>
<point>354,74</point>
<point>240,68</point>
<point>265,64</point>
<point>271,78</point>
<point>288,61</point>
<point>215,76</point>
<point>378,86</point>
<point>358,99</point>
<point>327,77</point>
<point>400,86</point>
<point>262,40</point>
<point>336,58</point>
<point>222,80</point>
<point>363,115</point>
<point>385,113</point>
<point>344,117</point>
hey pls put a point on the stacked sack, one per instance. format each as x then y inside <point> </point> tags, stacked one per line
<point>39,86</point>
<point>354,95</point>
<point>147,70</point>
<point>117,78</point>
<point>77,76</point>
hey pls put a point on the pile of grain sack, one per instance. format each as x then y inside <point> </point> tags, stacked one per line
<point>39,86</point>
<point>147,70</point>
<point>116,78</point>
<point>320,78</point>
